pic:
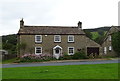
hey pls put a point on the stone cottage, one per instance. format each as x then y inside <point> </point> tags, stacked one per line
<point>55,40</point>
<point>107,42</point>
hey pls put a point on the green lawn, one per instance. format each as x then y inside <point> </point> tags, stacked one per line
<point>93,71</point>
<point>9,61</point>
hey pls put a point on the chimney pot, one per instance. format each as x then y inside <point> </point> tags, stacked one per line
<point>80,25</point>
<point>21,23</point>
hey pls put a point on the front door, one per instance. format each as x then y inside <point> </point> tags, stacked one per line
<point>57,51</point>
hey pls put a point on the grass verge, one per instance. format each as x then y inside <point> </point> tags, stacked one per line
<point>93,71</point>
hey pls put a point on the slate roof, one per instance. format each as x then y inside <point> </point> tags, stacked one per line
<point>59,30</point>
<point>118,28</point>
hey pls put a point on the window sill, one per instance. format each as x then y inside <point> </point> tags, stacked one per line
<point>57,42</point>
<point>38,42</point>
<point>70,54</point>
<point>71,42</point>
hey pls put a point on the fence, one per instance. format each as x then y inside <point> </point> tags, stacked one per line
<point>8,56</point>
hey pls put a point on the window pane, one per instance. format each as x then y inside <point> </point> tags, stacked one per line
<point>38,50</point>
<point>71,50</point>
<point>57,39</point>
<point>38,38</point>
<point>70,38</point>
<point>110,48</point>
<point>110,38</point>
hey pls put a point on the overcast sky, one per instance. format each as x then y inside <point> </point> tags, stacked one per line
<point>92,13</point>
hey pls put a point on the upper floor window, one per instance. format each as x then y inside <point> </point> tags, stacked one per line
<point>57,38</point>
<point>70,50</point>
<point>110,38</point>
<point>38,50</point>
<point>38,38</point>
<point>70,38</point>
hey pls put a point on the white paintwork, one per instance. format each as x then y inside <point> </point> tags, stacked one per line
<point>70,53</point>
<point>72,37</point>
<point>58,54</point>
<point>36,39</point>
<point>36,49</point>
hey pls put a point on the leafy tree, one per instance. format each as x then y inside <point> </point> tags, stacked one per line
<point>99,39</point>
<point>22,47</point>
<point>9,43</point>
<point>116,42</point>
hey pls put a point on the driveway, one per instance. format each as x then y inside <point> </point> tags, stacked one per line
<point>59,63</point>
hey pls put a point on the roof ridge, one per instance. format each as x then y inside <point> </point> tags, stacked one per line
<point>53,26</point>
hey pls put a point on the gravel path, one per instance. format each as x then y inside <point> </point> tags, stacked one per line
<point>59,63</point>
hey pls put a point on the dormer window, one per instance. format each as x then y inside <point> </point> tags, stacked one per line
<point>38,38</point>
<point>57,38</point>
<point>70,38</point>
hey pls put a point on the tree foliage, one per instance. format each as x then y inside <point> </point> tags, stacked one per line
<point>116,42</point>
<point>9,43</point>
<point>88,33</point>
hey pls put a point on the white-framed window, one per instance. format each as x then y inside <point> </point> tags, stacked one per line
<point>110,48</point>
<point>105,50</point>
<point>110,38</point>
<point>38,50</point>
<point>70,38</point>
<point>70,50</point>
<point>57,38</point>
<point>38,38</point>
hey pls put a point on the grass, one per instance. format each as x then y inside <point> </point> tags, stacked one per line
<point>9,61</point>
<point>93,71</point>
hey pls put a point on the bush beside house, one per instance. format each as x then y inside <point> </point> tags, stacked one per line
<point>48,57</point>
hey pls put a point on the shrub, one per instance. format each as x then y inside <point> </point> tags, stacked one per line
<point>35,58</point>
<point>80,55</point>
<point>66,57</point>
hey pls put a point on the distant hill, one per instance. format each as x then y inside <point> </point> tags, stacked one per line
<point>98,29</point>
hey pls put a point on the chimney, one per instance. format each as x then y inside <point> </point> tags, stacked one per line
<point>79,25</point>
<point>21,23</point>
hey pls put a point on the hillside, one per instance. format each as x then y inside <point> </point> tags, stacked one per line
<point>97,34</point>
<point>98,29</point>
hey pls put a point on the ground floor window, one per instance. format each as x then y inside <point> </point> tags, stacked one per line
<point>105,50</point>
<point>38,50</point>
<point>110,48</point>
<point>70,50</point>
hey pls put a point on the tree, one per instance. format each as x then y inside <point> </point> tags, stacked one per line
<point>9,43</point>
<point>116,42</point>
<point>22,46</point>
<point>88,33</point>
